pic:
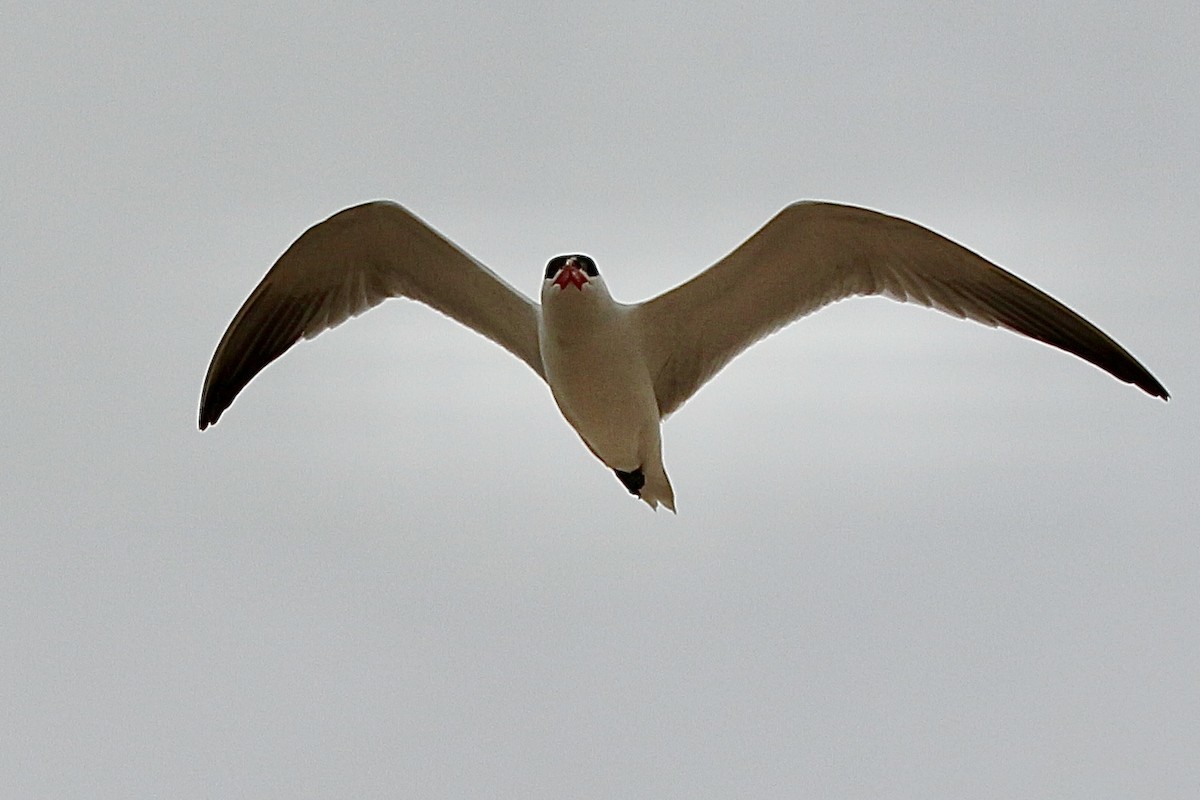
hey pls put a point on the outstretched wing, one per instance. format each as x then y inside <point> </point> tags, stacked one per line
<point>347,264</point>
<point>812,254</point>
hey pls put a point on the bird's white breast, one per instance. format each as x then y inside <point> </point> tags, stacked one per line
<point>598,377</point>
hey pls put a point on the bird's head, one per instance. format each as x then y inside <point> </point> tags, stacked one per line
<point>566,275</point>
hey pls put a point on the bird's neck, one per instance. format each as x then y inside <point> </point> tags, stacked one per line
<point>574,317</point>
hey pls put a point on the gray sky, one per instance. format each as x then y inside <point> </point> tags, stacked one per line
<point>914,557</point>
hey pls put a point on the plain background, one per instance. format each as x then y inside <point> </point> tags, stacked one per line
<point>914,557</point>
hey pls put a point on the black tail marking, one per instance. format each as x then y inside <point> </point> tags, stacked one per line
<point>634,481</point>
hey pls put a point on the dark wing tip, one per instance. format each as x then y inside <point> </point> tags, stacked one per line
<point>212,405</point>
<point>1151,386</point>
<point>1019,306</point>
<point>219,395</point>
<point>266,326</point>
<point>1120,363</point>
<point>210,411</point>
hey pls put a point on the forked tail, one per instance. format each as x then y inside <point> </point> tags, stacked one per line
<point>651,487</point>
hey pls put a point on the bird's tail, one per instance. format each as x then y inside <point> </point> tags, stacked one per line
<point>658,489</point>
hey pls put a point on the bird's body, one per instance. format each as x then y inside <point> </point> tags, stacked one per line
<point>591,358</point>
<point>615,370</point>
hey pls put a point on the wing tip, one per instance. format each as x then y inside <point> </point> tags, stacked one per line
<point>1150,385</point>
<point>210,412</point>
<point>1140,377</point>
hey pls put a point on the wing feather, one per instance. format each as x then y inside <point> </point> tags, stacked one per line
<point>350,263</point>
<point>813,254</point>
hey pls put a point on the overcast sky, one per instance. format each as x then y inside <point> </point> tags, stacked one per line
<point>914,557</point>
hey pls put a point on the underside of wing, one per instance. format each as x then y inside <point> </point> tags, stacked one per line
<point>813,254</point>
<point>347,264</point>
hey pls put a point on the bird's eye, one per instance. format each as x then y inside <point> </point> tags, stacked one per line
<point>589,266</point>
<point>554,266</point>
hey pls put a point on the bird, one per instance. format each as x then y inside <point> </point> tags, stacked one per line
<point>617,370</point>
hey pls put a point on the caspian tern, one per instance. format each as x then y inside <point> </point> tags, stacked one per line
<point>617,370</point>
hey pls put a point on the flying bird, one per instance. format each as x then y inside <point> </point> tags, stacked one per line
<point>617,370</point>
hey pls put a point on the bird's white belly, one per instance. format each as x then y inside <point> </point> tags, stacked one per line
<point>606,395</point>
